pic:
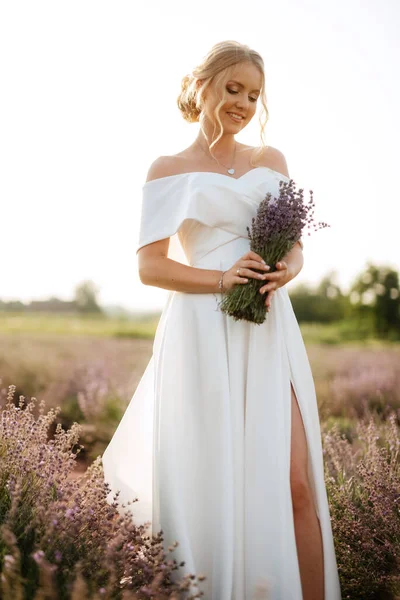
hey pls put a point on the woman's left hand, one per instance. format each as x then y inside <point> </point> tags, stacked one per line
<point>277,279</point>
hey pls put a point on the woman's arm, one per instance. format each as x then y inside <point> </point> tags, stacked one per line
<point>156,269</point>
<point>163,272</point>
<point>294,260</point>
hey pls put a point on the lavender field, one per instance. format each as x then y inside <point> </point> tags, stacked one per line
<point>60,538</point>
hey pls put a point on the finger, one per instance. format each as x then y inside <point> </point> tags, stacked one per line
<point>254,256</point>
<point>254,264</point>
<point>268,299</point>
<point>281,265</point>
<point>268,287</point>
<point>239,279</point>
<point>244,272</point>
<point>257,265</point>
<point>254,274</point>
<point>275,275</point>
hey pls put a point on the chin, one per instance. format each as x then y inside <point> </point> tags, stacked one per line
<point>234,126</point>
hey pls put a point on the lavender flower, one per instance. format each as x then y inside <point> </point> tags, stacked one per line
<point>59,536</point>
<point>277,226</point>
<point>363,483</point>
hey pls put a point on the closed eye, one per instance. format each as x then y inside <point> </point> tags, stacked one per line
<point>235,92</point>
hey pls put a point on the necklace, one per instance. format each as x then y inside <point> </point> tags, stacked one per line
<point>230,170</point>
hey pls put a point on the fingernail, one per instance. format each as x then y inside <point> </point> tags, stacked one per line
<point>263,261</point>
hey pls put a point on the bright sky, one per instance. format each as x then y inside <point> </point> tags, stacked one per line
<point>88,101</point>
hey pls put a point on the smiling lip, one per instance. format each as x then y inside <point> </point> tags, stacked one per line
<point>235,117</point>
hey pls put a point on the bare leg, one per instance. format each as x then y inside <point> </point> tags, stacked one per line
<point>306,522</point>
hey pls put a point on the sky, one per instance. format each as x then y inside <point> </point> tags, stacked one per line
<point>88,102</point>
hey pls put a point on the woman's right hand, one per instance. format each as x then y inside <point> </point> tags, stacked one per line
<point>245,264</point>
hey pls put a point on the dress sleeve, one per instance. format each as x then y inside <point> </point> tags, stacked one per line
<point>162,212</point>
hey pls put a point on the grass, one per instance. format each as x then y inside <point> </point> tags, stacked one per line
<point>71,324</point>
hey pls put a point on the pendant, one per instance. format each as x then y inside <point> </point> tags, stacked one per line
<point>231,171</point>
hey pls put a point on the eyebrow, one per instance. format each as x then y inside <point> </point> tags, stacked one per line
<point>241,85</point>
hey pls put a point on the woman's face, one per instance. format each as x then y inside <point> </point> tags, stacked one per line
<point>243,90</point>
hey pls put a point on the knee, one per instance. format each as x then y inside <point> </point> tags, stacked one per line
<point>301,492</point>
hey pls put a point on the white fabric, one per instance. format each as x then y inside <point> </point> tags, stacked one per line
<point>205,441</point>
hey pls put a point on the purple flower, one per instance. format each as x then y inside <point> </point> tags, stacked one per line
<point>277,226</point>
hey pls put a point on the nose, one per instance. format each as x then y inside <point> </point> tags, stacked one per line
<point>242,102</point>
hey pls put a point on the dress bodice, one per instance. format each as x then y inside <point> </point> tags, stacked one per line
<point>206,209</point>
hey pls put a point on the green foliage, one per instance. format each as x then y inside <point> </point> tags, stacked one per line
<point>324,304</point>
<point>345,426</point>
<point>375,297</point>
<point>370,309</point>
<point>338,332</point>
<point>72,324</point>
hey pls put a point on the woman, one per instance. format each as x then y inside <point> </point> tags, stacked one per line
<point>221,441</point>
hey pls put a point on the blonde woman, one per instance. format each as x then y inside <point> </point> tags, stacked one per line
<point>221,441</point>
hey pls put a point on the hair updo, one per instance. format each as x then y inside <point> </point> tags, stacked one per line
<point>187,99</point>
<point>217,67</point>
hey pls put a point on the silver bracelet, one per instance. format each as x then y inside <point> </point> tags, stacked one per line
<point>221,289</point>
<point>221,283</point>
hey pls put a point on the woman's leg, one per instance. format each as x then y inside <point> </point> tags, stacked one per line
<point>306,522</point>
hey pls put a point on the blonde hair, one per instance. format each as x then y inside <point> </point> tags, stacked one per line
<point>217,67</point>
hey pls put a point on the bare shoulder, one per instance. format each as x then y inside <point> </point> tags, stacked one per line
<point>274,159</point>
<point>164,166</point>
<point>160,167</point>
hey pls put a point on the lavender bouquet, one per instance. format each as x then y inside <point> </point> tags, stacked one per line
<point>275,229</point>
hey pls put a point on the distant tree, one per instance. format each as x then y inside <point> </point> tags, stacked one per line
<point>332,302</point>
<point>375,295</point>
<point>303,301</point>
<point>12,306</point>
<point>85,297</point>
<point>325,303</point>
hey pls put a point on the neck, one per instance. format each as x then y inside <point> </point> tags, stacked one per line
<point>223,149</point>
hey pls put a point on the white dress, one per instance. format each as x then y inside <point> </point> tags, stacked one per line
<point>205,441</point>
